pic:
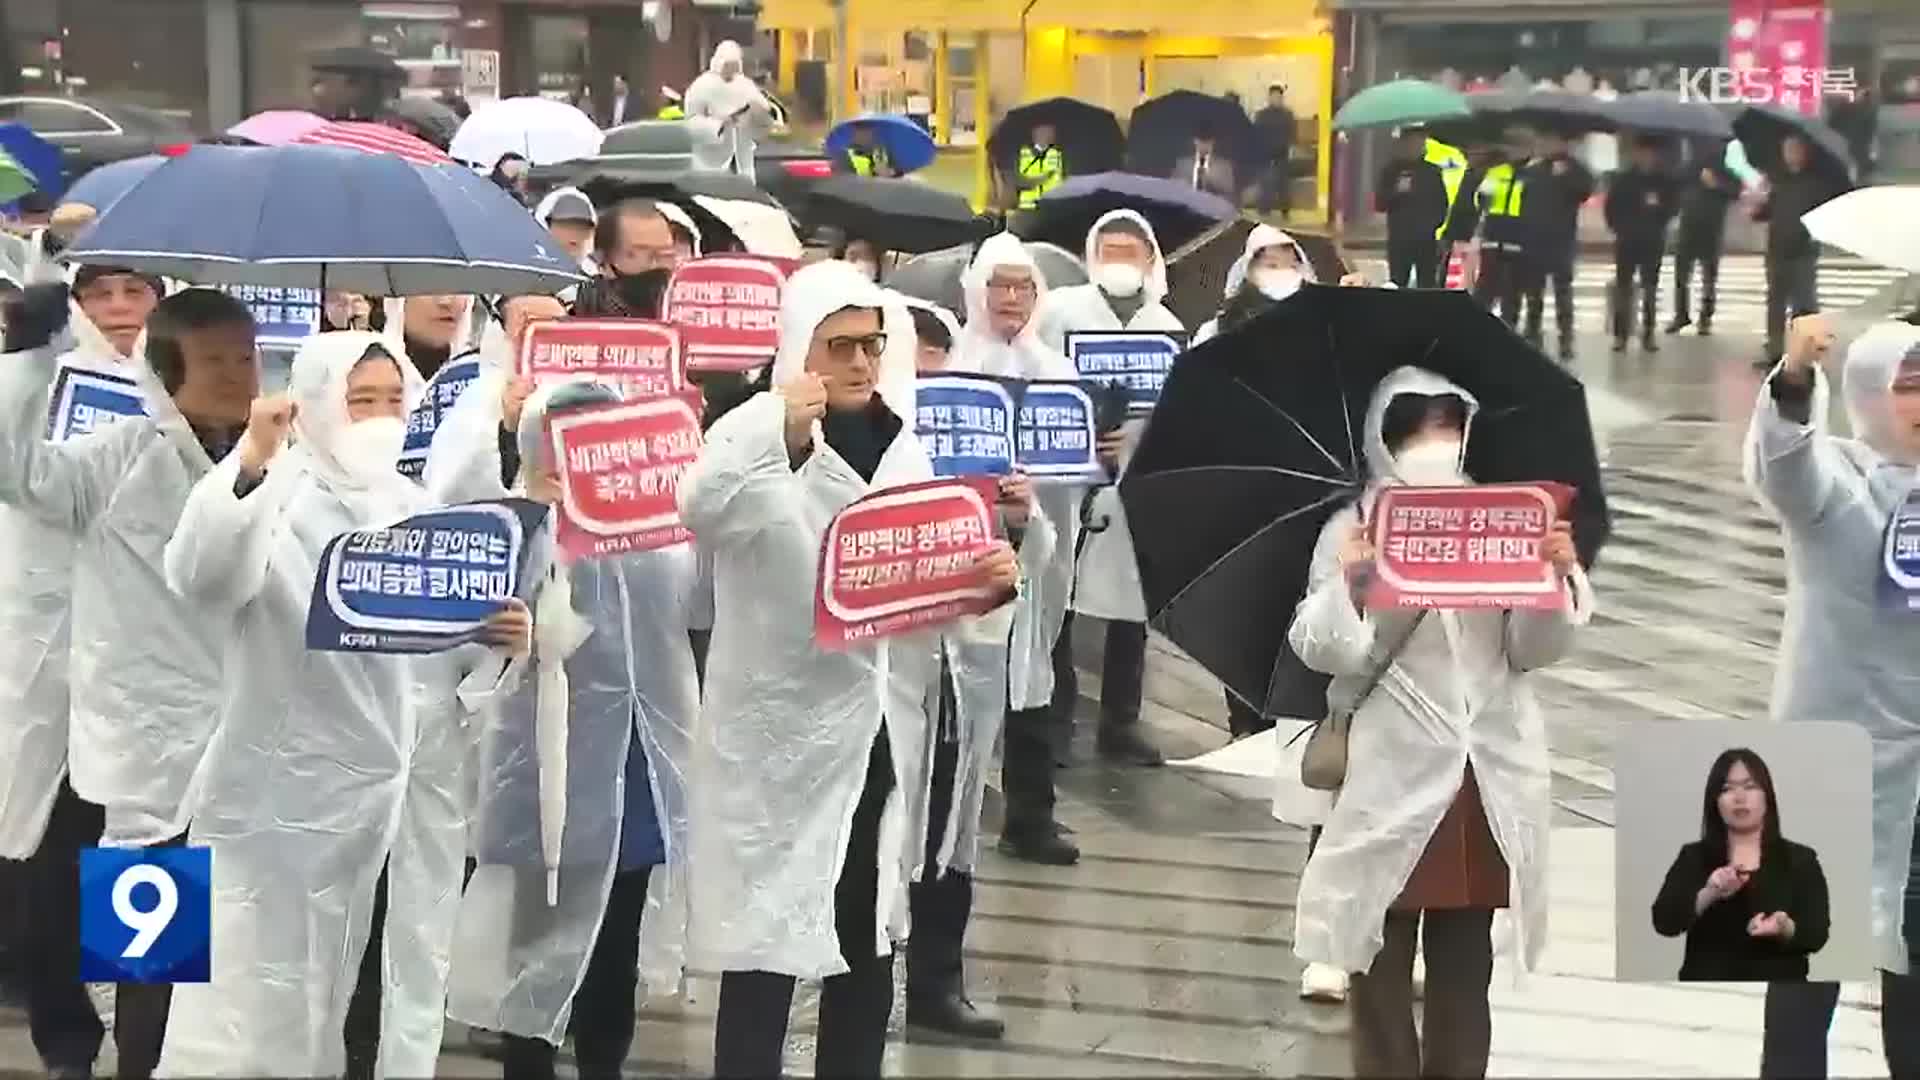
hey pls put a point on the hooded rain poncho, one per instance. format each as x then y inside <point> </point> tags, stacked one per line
<point>1259,239</point>
<point>724,135</point>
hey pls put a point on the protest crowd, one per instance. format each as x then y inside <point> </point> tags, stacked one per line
<point>633,577</point>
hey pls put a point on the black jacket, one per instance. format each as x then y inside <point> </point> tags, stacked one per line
<point>1413,195</point>
<point>1551,206</point>
<point>1790,196</point>
<point>1639,205</point>
<point>1703,207</point>
<point>1719,949</point>
<point>1275,124</point>
<point>1466,212</point>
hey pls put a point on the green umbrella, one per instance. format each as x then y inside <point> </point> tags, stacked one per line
<point>1400,103</point>
<point>15,180</point>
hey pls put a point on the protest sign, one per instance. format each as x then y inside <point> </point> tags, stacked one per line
<point>1055,433</point>
<point>1466,547</point>
<point>966,423</point>
<point>87,399</point>
<point>1137,362</point>
<point>727,309</point>
<point>1899,587</point>
<point>620,469</point>
<point>903,559</point>
<point>282,317</point>
<point>443,390</point>
<point>640,357</point>
<point>425,584</point>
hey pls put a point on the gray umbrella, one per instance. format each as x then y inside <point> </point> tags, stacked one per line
<point>429,119</point>
<point>935,276</point>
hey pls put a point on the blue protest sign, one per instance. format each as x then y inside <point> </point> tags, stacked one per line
<point>1137,361</point>
<point>281,316</point>
<point>423,585</point>
<point>146,915</point>
<point>1054,433</point>
<point>966,424</point>
<point>1899,587</point>
<point>85,400</point>
<point>442,391</point>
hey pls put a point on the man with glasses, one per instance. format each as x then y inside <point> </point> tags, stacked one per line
<point>634,247</point>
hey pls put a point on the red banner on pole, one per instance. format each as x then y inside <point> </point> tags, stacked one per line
<point>727,309</point>
<point>1466,547</point>
<point>904,559</point>
<point>619,472</point>
<point>639,356</point>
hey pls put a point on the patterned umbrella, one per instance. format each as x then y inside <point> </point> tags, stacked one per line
<point>375,139</point>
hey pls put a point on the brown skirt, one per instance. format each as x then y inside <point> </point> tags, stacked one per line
<point>1462,866</point>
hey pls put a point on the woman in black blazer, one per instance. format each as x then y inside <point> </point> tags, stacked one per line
<point>1752,903</point>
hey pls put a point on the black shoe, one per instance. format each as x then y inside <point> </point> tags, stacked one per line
<point>1566,349</point>
<point>1619,345</point>
<point>1650,344</point>
<point>953,1014</point>
<point>1706,327</point>
<point>1678,324</point>
<point>1125,745</point>
<point>1044,846</point>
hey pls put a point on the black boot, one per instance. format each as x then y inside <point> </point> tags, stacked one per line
<point>1043,844</point>
<point>1566,348</point>
<point>1706,326</point>
<point>1649,343</point>
<point>1026,772</point>
<point>1619,345</point>
<point>937,1001</point>
<point>1679,323</point>
<point>1123,743</point>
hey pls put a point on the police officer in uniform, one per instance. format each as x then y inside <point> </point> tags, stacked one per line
<point>1556,186</point>
<point>1454,171</point>
<point>1412,192</point>
<point>1503,235</point>
<point>671,109</point>
<point>1640,201</point>
<point>864,156</point>
<point>1709,187</point>
<point>1040,167</point>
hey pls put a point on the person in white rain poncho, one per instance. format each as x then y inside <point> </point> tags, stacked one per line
<point>144,668</point>
<point>335,795</point>
<point>1443,816</point>
<point>569,215</point>
<point>964,698</point>
<point>726,113</point>
<point>1844,656</point>
<point>1129,284</point>
<point>798,831</point>
<point>1004,288</point>
<point>1270,269</point>
<point>624,685</point>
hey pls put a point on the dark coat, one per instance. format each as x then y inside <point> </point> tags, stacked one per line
<point>1790,197</point>
<point>1639,205</point>
<point>1556,187</point>
<point>1703,206</point>
<point>1413,195</point>
<point>1719,949</point>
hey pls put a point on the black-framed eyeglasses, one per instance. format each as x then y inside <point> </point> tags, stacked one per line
<point>843,346</point>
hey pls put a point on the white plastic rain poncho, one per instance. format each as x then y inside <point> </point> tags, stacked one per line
<point>1041,610</point>
<point>36,589</point>
<point>143,668</point>
<point>1259,239</point>
<point>1457,694</point>
<point>786,727</point>
<point>543,213</point>
<point>517,961</point>
<point>1107,576</point>
<point>724,134</point>
<point>1842,656</point>
<point>326,767</point>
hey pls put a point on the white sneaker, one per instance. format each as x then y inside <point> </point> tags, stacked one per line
<point>1323,983</point>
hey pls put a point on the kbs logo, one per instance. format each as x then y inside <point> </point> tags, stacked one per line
<point>1792,87</point>
<point>146,915</point>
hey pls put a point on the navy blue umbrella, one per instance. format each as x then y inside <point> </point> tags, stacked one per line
<point>323,217</point>
<point>103,186</point>
<point>908,146</point>
<point>1178,212</point>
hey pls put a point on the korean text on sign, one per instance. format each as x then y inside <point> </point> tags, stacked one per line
<point>641,357</point>
<point>1138,363</point>
<point>283,316</point>
<point>620,472</point>
<point>1466,547</point>
<point>1899,577</point>
<point>1054,433</point>
<point>84,400</point>
<point>443,390</point>
<point>903,559</point>
<point>966,425</point>
<point>727,309</point>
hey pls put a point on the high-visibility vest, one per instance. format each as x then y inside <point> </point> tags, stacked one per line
<point>1047,167</point>
<point>1501,190</point>
<point>865,162</point>
<point>1453,169</point>
<point>672,112</point>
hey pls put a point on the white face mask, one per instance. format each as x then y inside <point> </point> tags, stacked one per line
<point>871,270</point>
<point>1120,279</point>
<point>1275,284</point>
<point>1430,464</point>
<point>369,449</point>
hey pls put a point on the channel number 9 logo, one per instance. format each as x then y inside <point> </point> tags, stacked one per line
<point>145,915</point>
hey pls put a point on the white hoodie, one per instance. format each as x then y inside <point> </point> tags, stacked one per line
<point>723,138</point>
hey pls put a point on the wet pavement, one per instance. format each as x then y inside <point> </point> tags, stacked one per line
<point>1167,950</point>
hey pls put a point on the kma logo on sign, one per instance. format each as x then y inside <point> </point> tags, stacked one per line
<point>146,915</point>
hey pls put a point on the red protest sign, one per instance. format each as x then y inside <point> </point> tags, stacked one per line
<point>640,356</point>
<point>1466,547</point>
<point>727,309</point>
<point>620,468</point>
<point>903,559</point>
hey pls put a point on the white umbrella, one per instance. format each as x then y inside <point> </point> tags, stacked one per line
<point>1879,224</point>
<point>558,630</point>
<point>543,131</point>
<point>765,230</point>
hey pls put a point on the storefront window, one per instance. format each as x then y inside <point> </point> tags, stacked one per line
<point>893,71</point>
<point>963,89</point>
<point>421,38</point>
<point>143,52</point>
<point>1627,52</point>
<point>559,55</point>
<point>278,37</point>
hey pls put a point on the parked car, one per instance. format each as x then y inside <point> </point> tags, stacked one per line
<point>91,133</point>
<point>784,167</point>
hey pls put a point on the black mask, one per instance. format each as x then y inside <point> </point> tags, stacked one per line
<point>643,293</point>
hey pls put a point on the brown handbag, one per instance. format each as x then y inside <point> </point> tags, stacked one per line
<point>1323,761</point>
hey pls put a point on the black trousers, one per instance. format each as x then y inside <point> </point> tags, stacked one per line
<point>1539,275</point>
<point>1700,249</point>
<point>1630,263</point>
<point>940,903</point>
<point>1415,262</point>
<point>1276,188</point>
<point>1793,285</point>
<point>1799,1014</point>
<point>362,1028</point>
<point>66,1030</point>
<point>1498,284</point>
<point>604,1007</point>
<point>750,1031</point>
<point>1123,671</point>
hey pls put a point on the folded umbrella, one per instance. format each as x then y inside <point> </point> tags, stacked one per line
<point>1762,128</point>
<point>1089,136</point>
<point>1178,212</point>
<point>369,138</point>
<point>899,215</point>
<point>1401,103</point>
<point>1256,442</point>
<point>1160,131</point>
<point>103,186</point>
<point>277,127</point>
<point>1657,112</point>
<point>40,158</point>
<point>323,217</point>
<point>544,131</point>
<point>908,146</point>
<point>1880,224</point>
<point>935,276</point>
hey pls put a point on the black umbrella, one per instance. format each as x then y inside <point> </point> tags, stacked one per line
<point>1547,110</point>
<point>604,181</point>
<point>357,60</point>
<point>1197,271</point>
<point>1762,128</point>
<point>898,215</point>
<point>1257,440</point>
<point>427,118</point>
<point>1161,131</point>
<point>1657,112</point>
<point>1177,212</point>
<point>1088,136</point>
